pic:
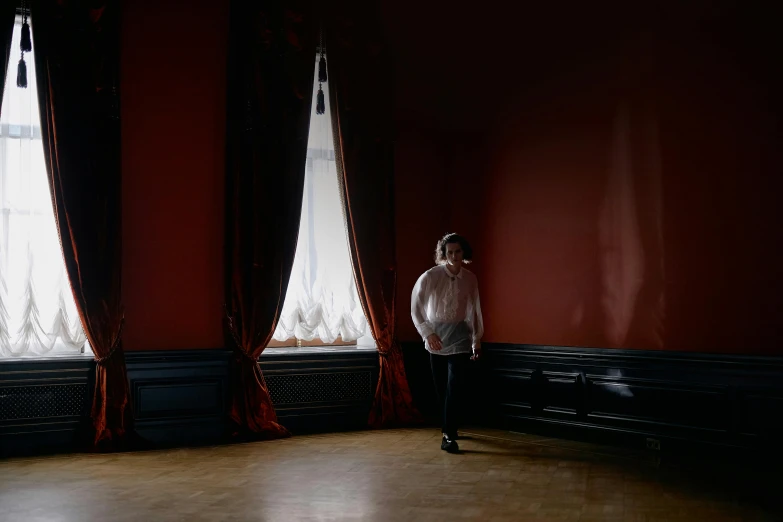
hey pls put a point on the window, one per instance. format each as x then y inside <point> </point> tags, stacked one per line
<point>38,315</point>
<point>322,304</point>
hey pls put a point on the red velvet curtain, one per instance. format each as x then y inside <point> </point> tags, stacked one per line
<point>361,91</point>
<point>77,66</point>
<point>271,54</point>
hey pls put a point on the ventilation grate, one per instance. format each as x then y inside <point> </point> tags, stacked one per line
<point>320,387</point>
<point>33,402</point>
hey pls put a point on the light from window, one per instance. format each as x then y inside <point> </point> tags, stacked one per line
<point>38,315</point>
<point>322,302</point>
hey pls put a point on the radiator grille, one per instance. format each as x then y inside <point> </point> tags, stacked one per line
<point>320,387</point>
<point>38,401</point>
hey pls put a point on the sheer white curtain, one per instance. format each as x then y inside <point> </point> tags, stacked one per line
<point>38,315</point>
<point>322,301</point>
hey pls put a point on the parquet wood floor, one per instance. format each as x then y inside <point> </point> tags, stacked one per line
<point>372,475</point>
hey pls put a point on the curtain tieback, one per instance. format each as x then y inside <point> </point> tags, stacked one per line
<point>237,344</point>
<point>114,345</point>
<point>243,355</point>
<point>387,352</point>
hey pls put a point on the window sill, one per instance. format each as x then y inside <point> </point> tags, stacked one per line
<point>47,358</point>
<point>294,350</point>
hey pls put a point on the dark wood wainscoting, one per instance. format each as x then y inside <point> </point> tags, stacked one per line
<point>181,396</point>
<point>653,399</point>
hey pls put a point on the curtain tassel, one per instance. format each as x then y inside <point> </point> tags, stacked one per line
<point>26,44</point>
<point>322,69</point>
<point>320,106</point>
<point>21,74</point>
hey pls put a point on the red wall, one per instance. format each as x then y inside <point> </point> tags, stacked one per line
<point>437,192</point>
<point>420,157</point>
<point>173,134</point>
<point>619,207</point>
<point>675,246</point>
<point>507,138</point>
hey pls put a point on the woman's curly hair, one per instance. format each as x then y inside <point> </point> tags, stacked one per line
<point>440,250</point>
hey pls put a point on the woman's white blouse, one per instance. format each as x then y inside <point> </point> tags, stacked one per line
<point>441,302</point>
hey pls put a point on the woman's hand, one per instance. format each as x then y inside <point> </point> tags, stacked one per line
<point>476,353</point>
<point>434,342</point>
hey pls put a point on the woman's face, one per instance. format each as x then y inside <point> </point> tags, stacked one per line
<point>454,254</point>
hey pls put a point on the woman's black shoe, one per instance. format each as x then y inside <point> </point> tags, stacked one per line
<point>449,445</point>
